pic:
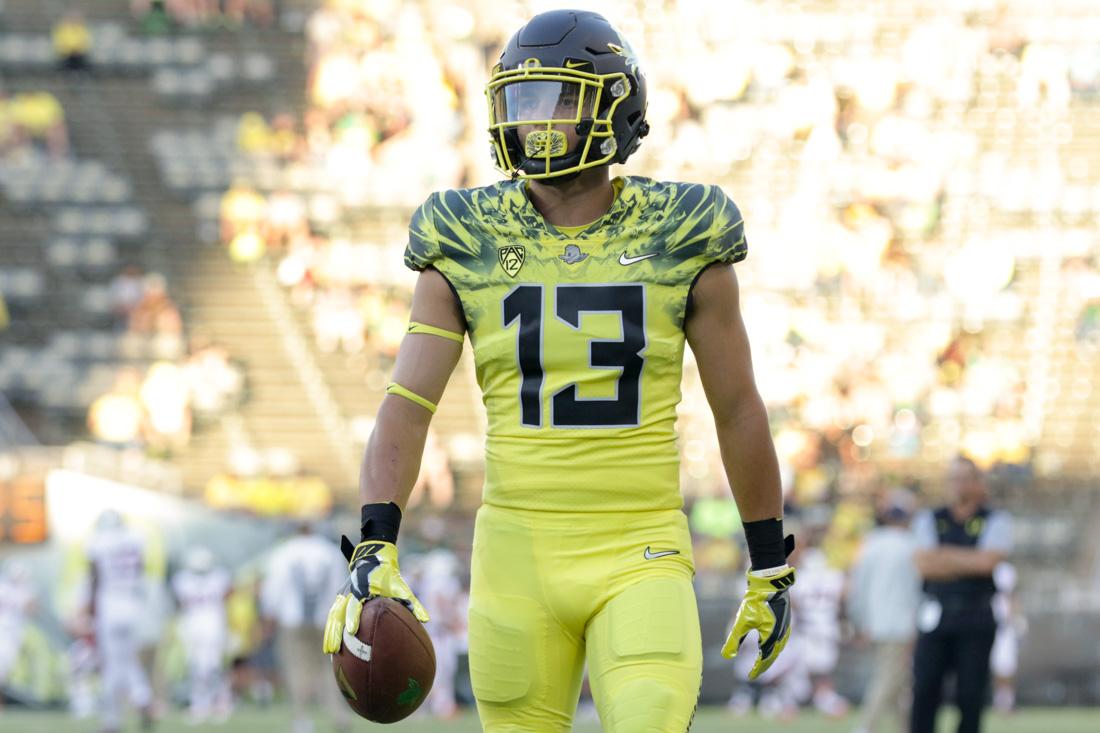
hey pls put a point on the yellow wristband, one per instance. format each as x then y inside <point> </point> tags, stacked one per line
<point>408,394</point>
<point>415,327</point>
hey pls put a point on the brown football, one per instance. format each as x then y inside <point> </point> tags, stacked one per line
<point>387,669</point>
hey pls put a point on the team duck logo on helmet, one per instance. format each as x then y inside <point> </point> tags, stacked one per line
<point>566,95</point>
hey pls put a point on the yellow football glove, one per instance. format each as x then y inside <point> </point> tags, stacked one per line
<point>374,573</point>
<point>766,608</point>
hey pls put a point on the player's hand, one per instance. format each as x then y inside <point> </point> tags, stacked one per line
<point>766,608</point>
<point>374,573</point>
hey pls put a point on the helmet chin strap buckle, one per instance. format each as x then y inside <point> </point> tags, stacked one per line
<point>545,143</point>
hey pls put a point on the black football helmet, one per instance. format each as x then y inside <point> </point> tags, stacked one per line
<point>565,68</point>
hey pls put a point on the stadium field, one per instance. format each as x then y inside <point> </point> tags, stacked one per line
<point>277,720</point>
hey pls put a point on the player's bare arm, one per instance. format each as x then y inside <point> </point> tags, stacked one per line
<point>424,363</point>
<point>428,355</point>
<point>717,336</point>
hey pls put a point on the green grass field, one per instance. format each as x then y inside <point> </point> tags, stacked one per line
<point>277,720</point>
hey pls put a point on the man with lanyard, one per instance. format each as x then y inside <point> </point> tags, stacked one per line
<point>959,545</point>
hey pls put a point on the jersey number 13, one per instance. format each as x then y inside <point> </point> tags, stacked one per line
<point>525,304</point>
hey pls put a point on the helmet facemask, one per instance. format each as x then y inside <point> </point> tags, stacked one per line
<point>553,122</point>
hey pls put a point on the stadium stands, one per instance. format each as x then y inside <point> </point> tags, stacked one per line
<point>870,182</point>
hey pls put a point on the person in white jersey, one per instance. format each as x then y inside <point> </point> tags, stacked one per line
<point>201,589</point>
<point>817,602</point>
<point>439,585</point>
<point>118,600</point>
<point>1004,659</point>
<point>303,574</point>
<point>17,603</point>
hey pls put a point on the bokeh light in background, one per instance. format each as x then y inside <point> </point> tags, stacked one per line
<point>201,245</point>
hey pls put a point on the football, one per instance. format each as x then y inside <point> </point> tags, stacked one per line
<point>386,670</point>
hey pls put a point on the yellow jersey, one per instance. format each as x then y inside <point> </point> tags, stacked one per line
<point>578,333</point>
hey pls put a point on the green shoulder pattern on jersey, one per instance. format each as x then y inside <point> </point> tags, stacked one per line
<point>578,334</point>
<point>688,224</point>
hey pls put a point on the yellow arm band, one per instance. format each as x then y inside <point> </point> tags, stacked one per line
<point>408,394</point>
<point>415,327</point>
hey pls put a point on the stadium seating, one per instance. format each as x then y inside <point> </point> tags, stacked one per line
<point>874,180</point>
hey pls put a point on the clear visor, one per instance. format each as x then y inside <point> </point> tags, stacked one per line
<point>535,101</point>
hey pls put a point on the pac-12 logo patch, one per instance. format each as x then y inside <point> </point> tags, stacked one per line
<point>511,258</point>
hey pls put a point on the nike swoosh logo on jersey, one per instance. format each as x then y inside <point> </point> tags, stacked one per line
<point>624,260</point>
<point>650,555</point>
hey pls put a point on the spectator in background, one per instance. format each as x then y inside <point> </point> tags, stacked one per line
<point>167,402</point>
<point>39,121</point>
<point>303,573</point>
<point>244,217</point>
<point>117,418</point>
<point>286,219</point>
<point>5,318</point>
<point>152,15</point>
<point>882,606</point>
<point>72,42</point>
<point>253,138</point>
<point>337,320</point>
<point>155,313</point>
<point>959,546</point>
<point>214,382</point>
<point>284,139</point>
<point>243,209</point>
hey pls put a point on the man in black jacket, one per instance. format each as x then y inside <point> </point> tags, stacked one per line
<point>959,544</point>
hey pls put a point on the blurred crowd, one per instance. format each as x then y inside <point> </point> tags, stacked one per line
<point>352,306</point>
<point>881,323</point>
<point>159,16</point>
<point>155,406</point>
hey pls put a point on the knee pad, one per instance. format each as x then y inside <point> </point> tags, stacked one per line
<point>645,658</point>
<point>648,706</point>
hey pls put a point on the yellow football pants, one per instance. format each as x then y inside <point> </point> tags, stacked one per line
<point>551,591</point>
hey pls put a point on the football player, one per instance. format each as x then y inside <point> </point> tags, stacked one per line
<point>440,587</point>
<point>118,601</point>
<point>817,601</point>
<point>17,603</point>
<point>201,589</point>
<point>578,292</point>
